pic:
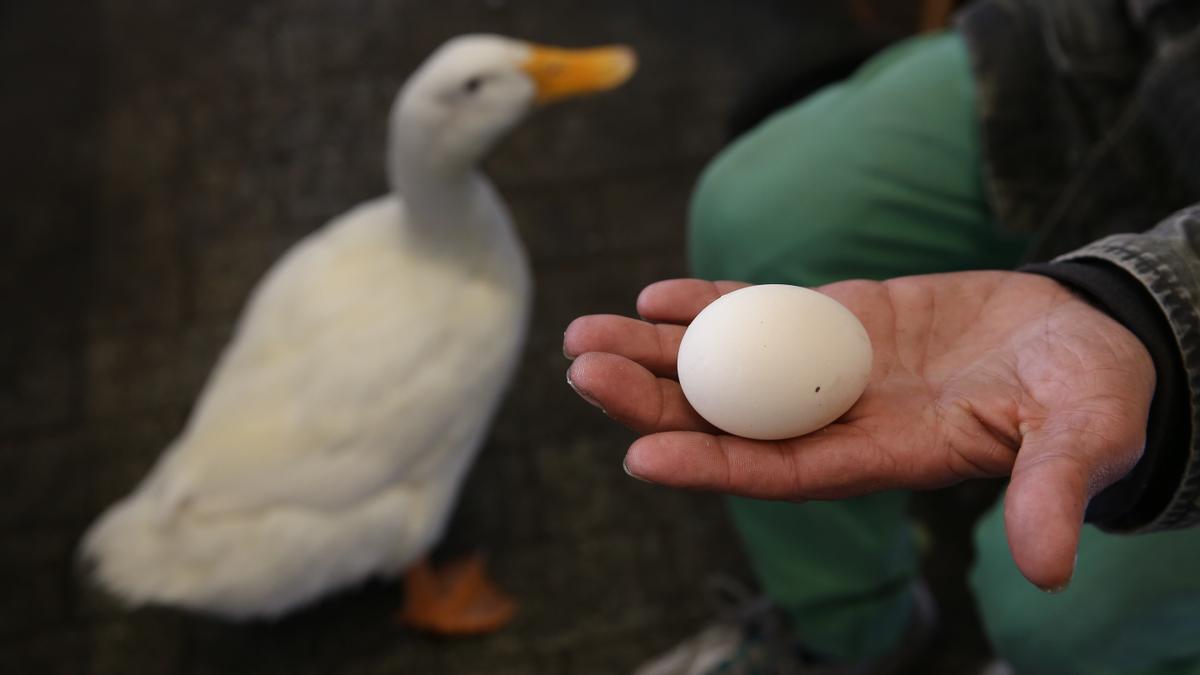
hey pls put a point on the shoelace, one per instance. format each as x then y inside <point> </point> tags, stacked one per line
<point>762,625</point>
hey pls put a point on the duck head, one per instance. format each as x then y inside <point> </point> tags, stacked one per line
<point>475,88</point>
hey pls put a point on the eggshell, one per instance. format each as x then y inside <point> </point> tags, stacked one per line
<point>774,361</point>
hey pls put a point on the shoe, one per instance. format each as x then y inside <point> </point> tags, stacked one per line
<point>750,637</point>
<point>998,667</point>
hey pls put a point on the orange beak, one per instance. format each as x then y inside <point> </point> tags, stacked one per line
<point>561,73</point>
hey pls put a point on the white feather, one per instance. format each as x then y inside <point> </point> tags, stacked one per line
<point>330,441</point>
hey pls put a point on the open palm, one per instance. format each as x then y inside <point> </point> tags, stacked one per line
<point>975,374</point>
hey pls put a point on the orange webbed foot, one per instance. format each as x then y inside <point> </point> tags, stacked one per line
<point>456,599</point>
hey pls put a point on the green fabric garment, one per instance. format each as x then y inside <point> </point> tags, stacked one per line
<point>1133,606</point>
<point>876,177</point>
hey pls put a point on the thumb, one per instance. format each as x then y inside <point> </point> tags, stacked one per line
<point>1058,469</point>
<point>1043,512</point>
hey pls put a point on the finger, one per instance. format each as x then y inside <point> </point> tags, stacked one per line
<point>1059,467</point>
<point>654,346</point>
<point>833,463</point>
<point>680,300</point>
<point>632,395</point>
<point>1043,515</point>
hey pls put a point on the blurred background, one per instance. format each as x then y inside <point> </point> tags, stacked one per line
<point>161,154</point>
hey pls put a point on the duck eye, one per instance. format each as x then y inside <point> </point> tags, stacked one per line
<point>472,85</point>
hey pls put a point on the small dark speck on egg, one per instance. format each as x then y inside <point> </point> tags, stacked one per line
<point>818,389</point>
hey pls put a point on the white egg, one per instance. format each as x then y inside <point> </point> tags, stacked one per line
<point>774,361</point>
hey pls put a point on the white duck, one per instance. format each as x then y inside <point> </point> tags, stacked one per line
<point>330,442</point>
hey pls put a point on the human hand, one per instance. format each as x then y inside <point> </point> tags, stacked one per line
<point>975,374</point>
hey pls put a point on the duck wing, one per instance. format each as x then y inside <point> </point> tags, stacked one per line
<point>351,369</point>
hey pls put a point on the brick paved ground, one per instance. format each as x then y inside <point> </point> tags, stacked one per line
<point>161,154</point>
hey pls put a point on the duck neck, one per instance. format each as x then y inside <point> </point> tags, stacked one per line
<point>450,207</point>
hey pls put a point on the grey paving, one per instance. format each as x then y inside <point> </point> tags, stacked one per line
<point>160,154</point>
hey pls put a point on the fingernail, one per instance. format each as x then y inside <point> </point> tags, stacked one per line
<point>570,357</point>
<point>625,465</point>
<point>582,395</point>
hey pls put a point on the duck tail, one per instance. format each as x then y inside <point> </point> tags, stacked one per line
<point>131,552</point>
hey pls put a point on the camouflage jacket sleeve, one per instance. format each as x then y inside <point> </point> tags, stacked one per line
<point>1165,262</point>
